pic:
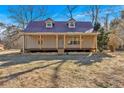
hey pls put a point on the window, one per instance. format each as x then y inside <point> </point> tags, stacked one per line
<point>49,24</point>
<point>74,41</point>
<point>71,24</point>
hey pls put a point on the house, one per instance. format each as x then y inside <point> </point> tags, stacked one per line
<point>59,36</point>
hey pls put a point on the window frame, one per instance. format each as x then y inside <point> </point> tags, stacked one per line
<point>49,24</point>
<point>70,24</point>
<point>74,41</point>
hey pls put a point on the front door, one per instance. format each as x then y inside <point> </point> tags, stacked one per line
<point>60,41</point>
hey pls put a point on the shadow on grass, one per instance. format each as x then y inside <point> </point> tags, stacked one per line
<point>15,59</point>
<point>12,76</point>
<point>92,58</point>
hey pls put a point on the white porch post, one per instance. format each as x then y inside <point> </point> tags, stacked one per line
<point>40,42</point>
<point>64,41</point>
<point>56,41</point>
<point>96,43</point>
<point>80,42</point>
<point>23,44</point>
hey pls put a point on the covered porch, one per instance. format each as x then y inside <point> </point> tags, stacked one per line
<point>59,42</point>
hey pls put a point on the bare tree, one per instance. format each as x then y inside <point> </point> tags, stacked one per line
<point>105,20</point>
<point>93,12</point>
<point>114,40</point>
<point>2,26</point>
<point>70,11</point>
<point>97,14</point>
<point>24,14</point>
<point>106,17</point>
<point>97,10</point>
<point>8,34</point>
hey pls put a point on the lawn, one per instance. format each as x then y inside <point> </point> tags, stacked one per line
<point>52,70</point>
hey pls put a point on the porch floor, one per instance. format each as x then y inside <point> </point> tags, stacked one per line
<point>56,50</point>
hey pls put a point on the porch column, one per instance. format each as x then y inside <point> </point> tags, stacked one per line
<point>80,42</point>
<point>40,42</point>
<point>56,41</point>
<point>64,41</point>
<point>23,50</point>
<point>96,43</point>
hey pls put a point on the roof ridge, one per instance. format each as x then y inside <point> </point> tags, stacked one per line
<point>58,21</point>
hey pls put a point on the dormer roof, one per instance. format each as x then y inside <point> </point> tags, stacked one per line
<point>72,20</point>
<point>49,20</point>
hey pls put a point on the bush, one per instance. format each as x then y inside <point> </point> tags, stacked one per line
<point>102,39</point>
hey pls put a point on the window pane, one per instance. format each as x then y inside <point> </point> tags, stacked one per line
<point>74,41</point>
<point>71,24</point>
<point>49,24</point>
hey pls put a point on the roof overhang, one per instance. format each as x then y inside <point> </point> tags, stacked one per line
<point>59,33</point>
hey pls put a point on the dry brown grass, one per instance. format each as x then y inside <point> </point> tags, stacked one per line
<point>52,70</point>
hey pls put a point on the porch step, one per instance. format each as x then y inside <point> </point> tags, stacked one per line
<point>60,51</point>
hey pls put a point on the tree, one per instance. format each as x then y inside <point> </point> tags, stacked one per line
<point>106,22</point>
<point>9,33</point>
<point>114,41</point>
<point>117,25</point>
<point>22,15</point>
<point>102,39</point>
<point>93,12</point>
<point>2,27</point>
<point>97,26</point>
<point>2,24</point>
<point>114,23</point>
<point>110,11</point>
<point>70,11</point>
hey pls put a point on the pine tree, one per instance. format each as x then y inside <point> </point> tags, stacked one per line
<point>102,39</point>
<point>97,26</point>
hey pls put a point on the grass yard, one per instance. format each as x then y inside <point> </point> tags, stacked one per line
<point>52,70</point>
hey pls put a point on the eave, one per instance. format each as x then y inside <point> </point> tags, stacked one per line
<point>58,33</point>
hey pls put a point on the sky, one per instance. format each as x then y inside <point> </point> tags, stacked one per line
<point>58,10</point>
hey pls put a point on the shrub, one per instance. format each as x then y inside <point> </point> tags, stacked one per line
<point>102,39</point>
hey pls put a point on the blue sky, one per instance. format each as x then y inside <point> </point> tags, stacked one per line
<point>58,10</point>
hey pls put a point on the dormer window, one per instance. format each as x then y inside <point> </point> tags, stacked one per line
<point>71,23</point>
<point>49,23</point>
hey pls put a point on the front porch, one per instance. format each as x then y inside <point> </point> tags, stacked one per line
<point>59,42</point>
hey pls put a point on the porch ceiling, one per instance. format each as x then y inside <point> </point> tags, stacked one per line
<point>51,33</point>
